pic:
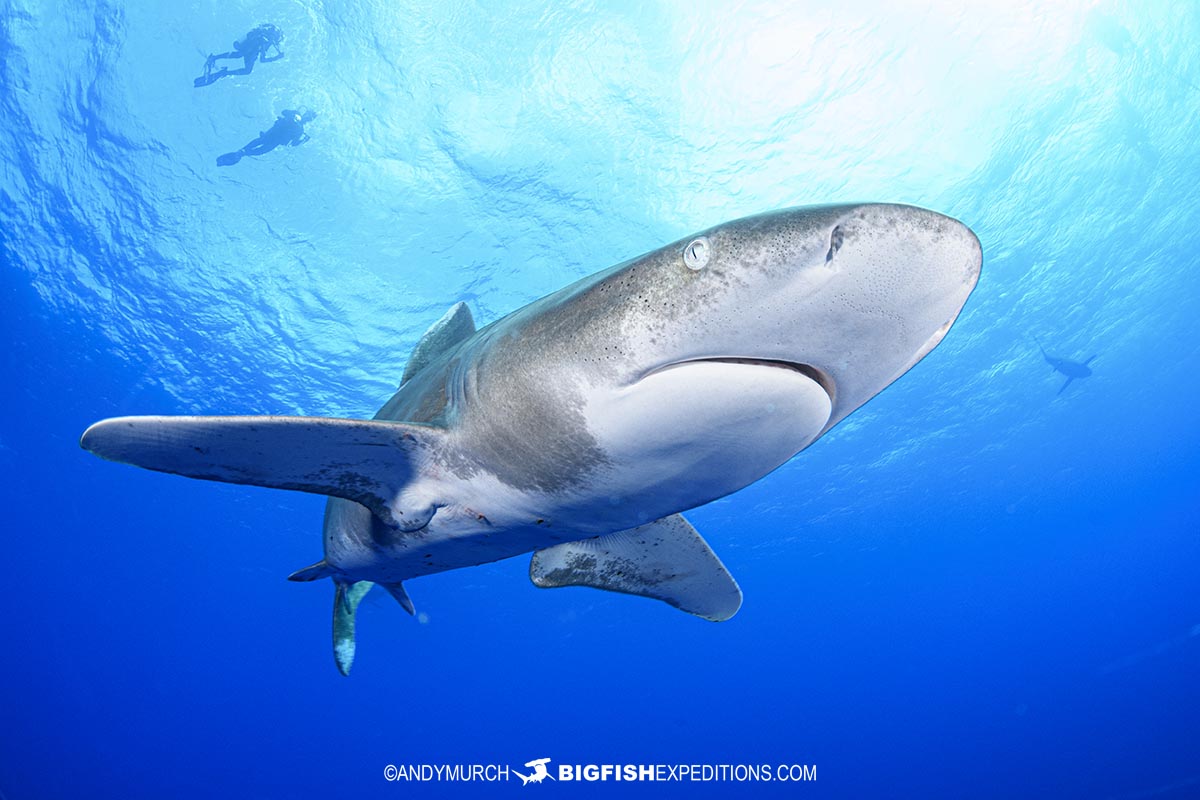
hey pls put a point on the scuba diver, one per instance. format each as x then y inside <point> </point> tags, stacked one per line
<point>253,46</point>
<point>288,129</point>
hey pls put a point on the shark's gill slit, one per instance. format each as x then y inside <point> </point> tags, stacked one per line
<point>835,242</point>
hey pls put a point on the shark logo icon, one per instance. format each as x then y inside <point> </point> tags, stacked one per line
<point>539,773</point>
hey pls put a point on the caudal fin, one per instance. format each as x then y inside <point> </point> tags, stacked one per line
<point>347,595</point>
<point>346,598</point>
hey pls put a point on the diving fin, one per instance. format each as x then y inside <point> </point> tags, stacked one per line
<point>367,461</point>
<point>228,159</point>
<point>666,560</point>
<point>456,325</point>
<point>346,598</point>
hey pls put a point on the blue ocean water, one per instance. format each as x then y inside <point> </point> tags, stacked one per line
<point>976,586</point>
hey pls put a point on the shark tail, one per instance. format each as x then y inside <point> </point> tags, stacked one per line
<point>346,598</point>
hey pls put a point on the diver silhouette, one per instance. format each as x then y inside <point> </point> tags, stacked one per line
<point>288,129</point>
<point>1072,369</point>
<point>251,47</point>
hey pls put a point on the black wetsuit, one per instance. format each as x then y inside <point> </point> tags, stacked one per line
<point>288,129</point>
<point>250,48</point>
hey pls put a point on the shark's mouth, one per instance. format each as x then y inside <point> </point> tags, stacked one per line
<point>817,376</point>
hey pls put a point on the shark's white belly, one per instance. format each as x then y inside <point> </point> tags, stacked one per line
<point>693,432</point>
<point>579,426</point>
<point>673,440</point>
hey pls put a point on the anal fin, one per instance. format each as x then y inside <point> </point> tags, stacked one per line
<point>666,560</point>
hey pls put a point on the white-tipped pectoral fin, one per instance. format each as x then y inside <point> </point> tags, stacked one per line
<point>367,461</point>
<point>666,560</point>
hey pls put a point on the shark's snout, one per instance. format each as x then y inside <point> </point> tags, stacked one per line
<point>928,243</point>
<point>890,282</point>
<point>962,242</point>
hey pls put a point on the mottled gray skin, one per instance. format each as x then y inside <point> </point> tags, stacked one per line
<point>852,295</point>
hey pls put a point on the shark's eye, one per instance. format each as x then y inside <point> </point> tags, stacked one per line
<point>695,255</point>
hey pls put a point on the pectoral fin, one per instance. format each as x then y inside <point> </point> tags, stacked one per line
<point>369,462</point>
<point>666,560</point>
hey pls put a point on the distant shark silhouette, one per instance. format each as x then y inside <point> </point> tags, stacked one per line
<point>1072,369</point>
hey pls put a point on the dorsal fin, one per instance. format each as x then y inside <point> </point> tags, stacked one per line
<point>453,328</point>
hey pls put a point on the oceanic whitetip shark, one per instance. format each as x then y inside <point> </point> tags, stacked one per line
<point>578,427</point>
<point>1072,369</point>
